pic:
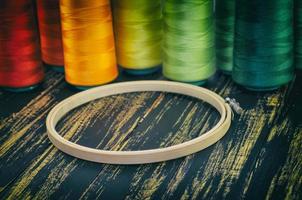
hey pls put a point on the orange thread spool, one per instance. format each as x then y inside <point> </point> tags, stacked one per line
<point>88,42</point>
<point>50,32</point>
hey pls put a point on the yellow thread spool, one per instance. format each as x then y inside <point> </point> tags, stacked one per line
<point>138,33</point>
<point>88,42</point>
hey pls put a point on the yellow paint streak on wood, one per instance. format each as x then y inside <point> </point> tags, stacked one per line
<point>153,123</point>
<point>293,166</point>
<point>30,173</point>
<point>29,118</point>
<point>154,105</point>
<point>228,163</point>
<point>123,117</point>
<point>228,166</point>
<point>271,188</point>
<point>21,122</point>
<point>274,102</point>
<point>178,176</point>
<point>27,196</point>
<point>78,121</point>
<point>108,172</point>
<point>150,185</point>
<point>290,173</point>
<point>138,176</point>
<point>185,195</point>
<point>54,179</point>
<point>18,119</point>
<point>13,153</point>
<point>120,122</point>
<point>275,131</point>
<point>184,130</point>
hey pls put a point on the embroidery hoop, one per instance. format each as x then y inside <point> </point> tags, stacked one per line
<point>142,156</point>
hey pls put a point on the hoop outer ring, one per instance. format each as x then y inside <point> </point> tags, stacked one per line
<point>141,156</point>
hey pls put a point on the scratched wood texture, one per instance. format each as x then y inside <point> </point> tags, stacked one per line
<point>259,158</point>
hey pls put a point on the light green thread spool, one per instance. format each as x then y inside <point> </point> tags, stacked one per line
<point>188,42</point>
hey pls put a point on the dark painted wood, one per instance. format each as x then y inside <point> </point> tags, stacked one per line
<point>259,158</point>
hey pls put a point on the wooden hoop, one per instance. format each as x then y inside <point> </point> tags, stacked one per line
<point>144,156</point>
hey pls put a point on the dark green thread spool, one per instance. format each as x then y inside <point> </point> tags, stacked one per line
<point>225,25</point>
<point>298,33</point>
<point>263,47</point>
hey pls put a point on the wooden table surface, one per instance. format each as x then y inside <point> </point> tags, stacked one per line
<point>259,158</point>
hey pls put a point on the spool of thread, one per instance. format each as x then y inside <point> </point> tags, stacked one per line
<point>225,26</point>
<point>298,34</point>
<point>88,42</point>
<point>50,33</point>
<point>263,51</point>
<point>138,33</point>
<point>21,68</point>
<point>188,41</point>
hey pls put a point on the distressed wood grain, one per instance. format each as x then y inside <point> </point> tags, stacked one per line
<point>259,158</point>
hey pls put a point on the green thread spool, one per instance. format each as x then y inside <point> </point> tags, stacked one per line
<point>263,48</point>
<point>188,42</point>
<point>225,25</point>
<point>138,35</point>
<point>298,34</point>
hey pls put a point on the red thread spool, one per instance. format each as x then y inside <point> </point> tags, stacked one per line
<point>20,63</point>
<point>50,32</point>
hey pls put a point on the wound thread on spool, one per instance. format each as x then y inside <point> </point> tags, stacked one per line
<point>263,50</point>
<point>88,42</point>
<point>298,33</point>
<point>188,41</point>
<point>138,33</point>
<point>50,33</point>
<point>225,26</point>
<point>21,68</point>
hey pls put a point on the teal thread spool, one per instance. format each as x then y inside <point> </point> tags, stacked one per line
<point>188,41</point>
<point>298,34</point>
<point>263,48</point>
<point>225,25</point>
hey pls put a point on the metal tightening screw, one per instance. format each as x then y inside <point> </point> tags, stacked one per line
<point>234,105</point>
